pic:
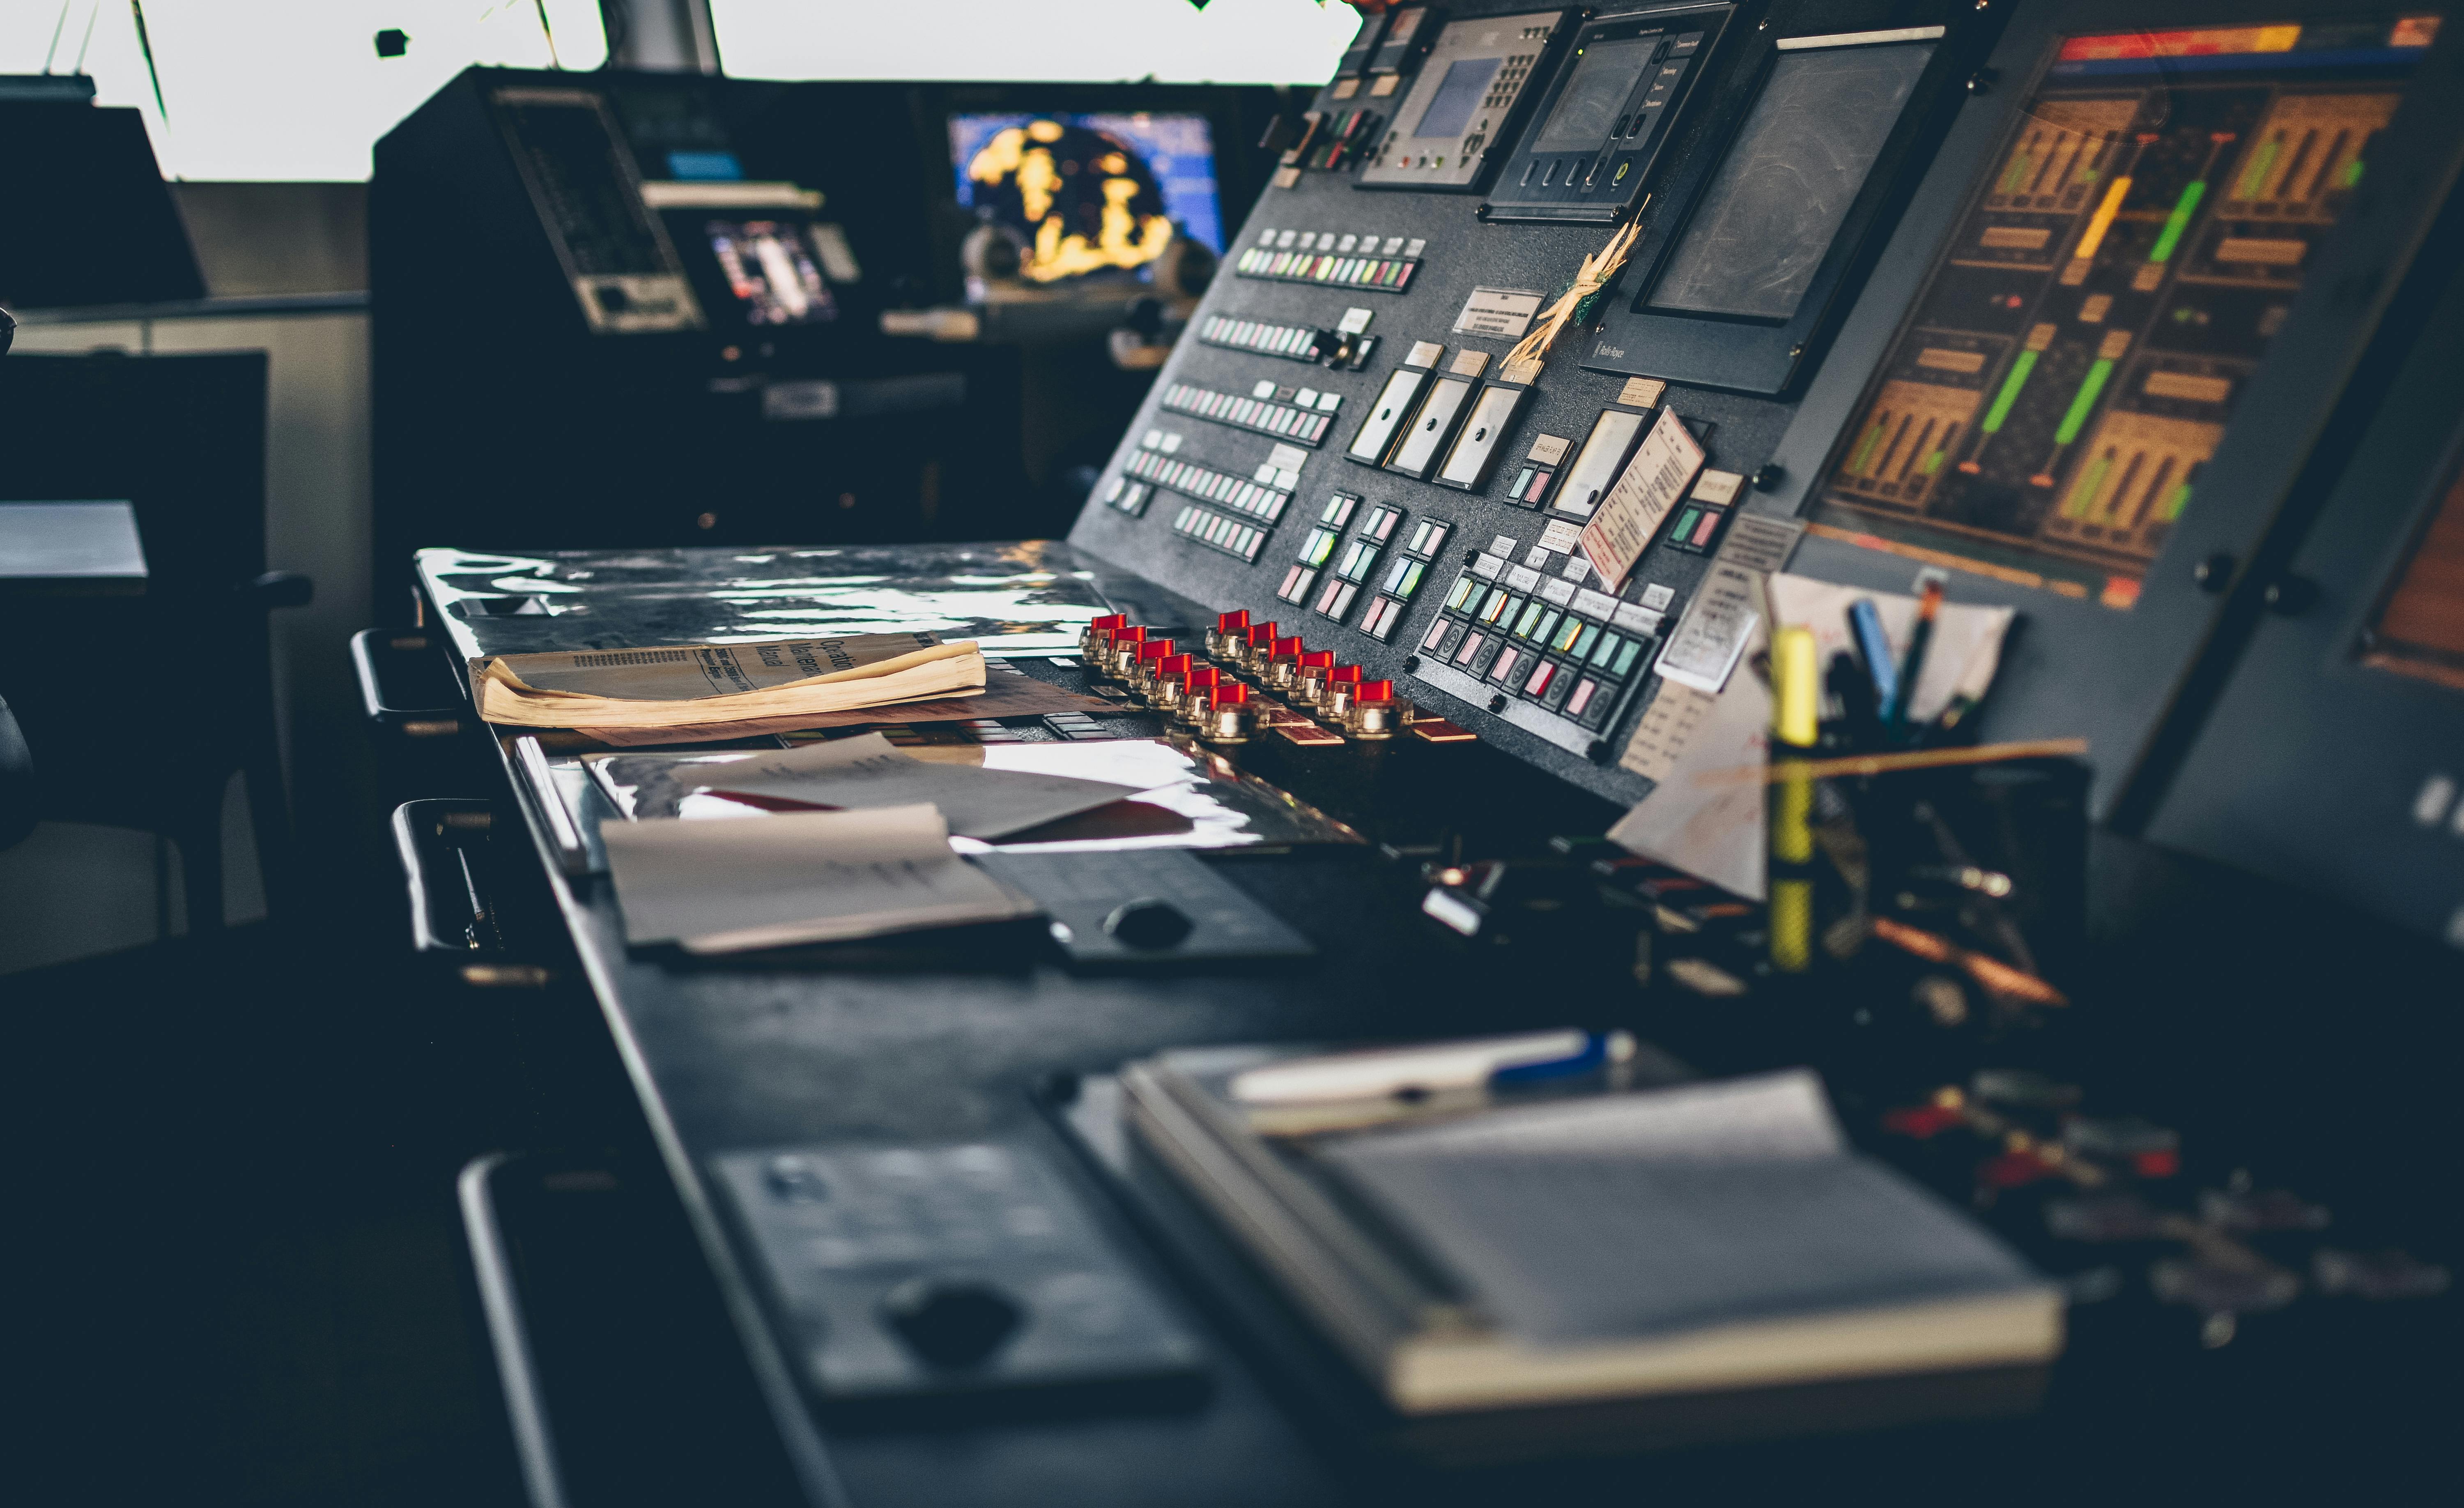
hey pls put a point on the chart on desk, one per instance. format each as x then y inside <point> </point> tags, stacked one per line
<point>2115,284</point>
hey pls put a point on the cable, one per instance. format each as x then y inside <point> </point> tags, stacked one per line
<point>89,36</point>
<point>145,45</point>
<point>57,27</point>
<point>548,31</point>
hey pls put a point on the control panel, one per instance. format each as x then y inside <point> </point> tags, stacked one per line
<point>1359,442</point>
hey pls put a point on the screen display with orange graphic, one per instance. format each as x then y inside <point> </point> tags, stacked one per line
<point>2114,285</point>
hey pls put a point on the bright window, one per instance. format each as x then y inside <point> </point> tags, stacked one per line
<point>1231,41</point>
<point>294,89</point>
<point>285,89</point>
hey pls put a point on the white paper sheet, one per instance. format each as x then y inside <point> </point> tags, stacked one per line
<point>1713,831</point>
<point>1960,661</point>
<point>868,771</point>
<point>813,876</point>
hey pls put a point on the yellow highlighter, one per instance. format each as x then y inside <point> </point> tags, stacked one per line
<point>1795,717</point>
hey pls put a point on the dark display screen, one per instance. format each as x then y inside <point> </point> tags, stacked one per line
<point>1604,75</point>
<point>2113,287</point>
<point>1764,226</point>
<point>1457,96</point>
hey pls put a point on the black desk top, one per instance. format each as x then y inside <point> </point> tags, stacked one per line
<point>758,1051</point>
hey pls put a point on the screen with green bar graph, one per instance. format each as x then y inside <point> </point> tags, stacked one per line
<point>2115,282</point>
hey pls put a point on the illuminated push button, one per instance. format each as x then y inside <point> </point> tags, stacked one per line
<point>1560,688</point>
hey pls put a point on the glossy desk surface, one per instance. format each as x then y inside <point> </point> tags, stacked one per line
<point>804,1046</point>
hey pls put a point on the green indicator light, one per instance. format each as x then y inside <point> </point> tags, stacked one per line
<point>2255,174</point>
<point>2075,415</point>
<point>2009,394</point>
<point>1865,447</point>
<point>2352,173</point>
<point>2178,221</point>
<point>2075,506</point>
<point>2017,175</point>
<point>1931,464</point>
<point>2176,500</point>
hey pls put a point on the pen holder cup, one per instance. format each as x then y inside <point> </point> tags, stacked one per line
<point>1991,859</point>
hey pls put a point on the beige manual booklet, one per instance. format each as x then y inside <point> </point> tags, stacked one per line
<point>717,683</point>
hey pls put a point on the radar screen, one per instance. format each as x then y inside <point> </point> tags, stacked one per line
<point>2114,284</point>
<point>2420,627</point>
<point>770,267</point>
<point>1089,193</point>
<point>1468,98</point>
<point>1607,116</point>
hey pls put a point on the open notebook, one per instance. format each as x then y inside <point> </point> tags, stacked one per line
<point>1696,1239</point>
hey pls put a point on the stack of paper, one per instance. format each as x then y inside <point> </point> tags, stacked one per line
<point>816,876</point>
<point>712,685</point>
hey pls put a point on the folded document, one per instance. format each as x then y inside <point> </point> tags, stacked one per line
<point>708,684</point>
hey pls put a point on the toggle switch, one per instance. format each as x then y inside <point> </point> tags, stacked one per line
<point>1151,654</point>
<point>1124,649</point>
<point>1309,687</point>
<point>1087,637</point>
<point>1284,664</point>
<point>1198,694</point>
<point>1171,684</point>
<point>1229,716</point>
<point>1376,712</point>
<point>1231,629</point>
